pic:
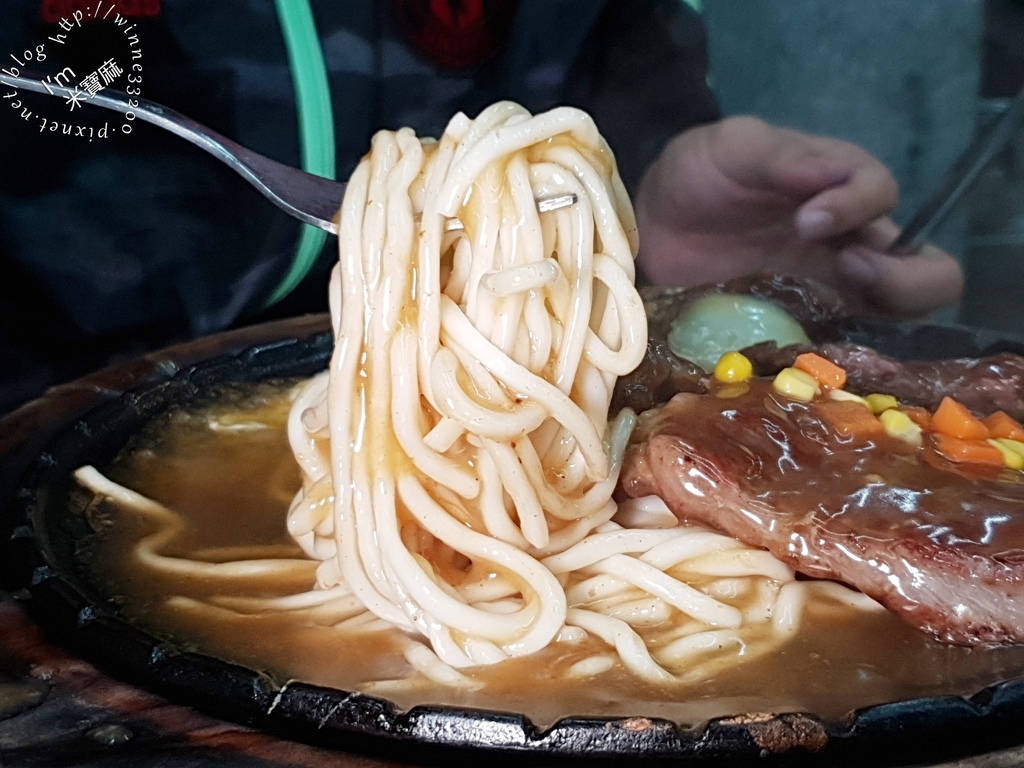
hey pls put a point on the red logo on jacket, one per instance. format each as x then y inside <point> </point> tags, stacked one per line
<point>456,34</point>
<point>56,11</point>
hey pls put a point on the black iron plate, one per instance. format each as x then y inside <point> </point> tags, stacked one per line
<point>88,421</point>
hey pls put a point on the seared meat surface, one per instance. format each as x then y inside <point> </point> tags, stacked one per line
<point>814,305</point>
<point>662,373</point>
<point>983,384</point>
<point>941,547</point>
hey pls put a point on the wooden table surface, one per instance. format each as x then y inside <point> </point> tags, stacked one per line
<point>58,710</point>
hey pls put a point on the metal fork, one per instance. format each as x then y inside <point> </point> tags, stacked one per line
<point>304,196</point>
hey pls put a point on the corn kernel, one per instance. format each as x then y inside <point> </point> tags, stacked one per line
<point>897,424</point>
<point>733,368</point>
<point>1012,450</point>
<point>1013,445</point>
<point>797,384</point>
<point>730,391</point>
<point>879,403</point>
<point>844,396</point>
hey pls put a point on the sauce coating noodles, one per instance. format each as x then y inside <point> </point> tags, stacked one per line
<point>459,428</point>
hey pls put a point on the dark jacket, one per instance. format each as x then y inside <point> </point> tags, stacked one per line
<point>124,243</point>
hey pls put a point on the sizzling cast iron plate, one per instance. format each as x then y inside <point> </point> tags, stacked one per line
<point>88,421</point>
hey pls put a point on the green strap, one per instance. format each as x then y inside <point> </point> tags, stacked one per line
<point>316,124</point>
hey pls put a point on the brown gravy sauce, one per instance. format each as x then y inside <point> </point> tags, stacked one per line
<point>791,455</point>
<point>233,488</point>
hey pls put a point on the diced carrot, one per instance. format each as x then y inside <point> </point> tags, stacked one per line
<point>1001,424</point>
<point>966,451</point>
<point>828,374</point>
<point>953,419</point>
<point>918,415</point>
<point>849,419</point>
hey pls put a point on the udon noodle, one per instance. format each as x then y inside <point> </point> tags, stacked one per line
<point>457,457</point>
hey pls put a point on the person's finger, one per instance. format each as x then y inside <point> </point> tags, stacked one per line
<point>869,193</point>
<point>906,286</point>
<point>837,186</point>
<point>789,165</point>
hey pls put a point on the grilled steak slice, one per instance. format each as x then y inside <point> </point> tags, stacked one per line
<point>940,547</point>
<point>661,374</point>
<point>982,384</point>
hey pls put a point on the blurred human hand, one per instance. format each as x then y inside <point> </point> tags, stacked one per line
<point>741,196</point>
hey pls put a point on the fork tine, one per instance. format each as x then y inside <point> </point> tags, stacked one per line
<point>554,203</point>
<point>544,205</point>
